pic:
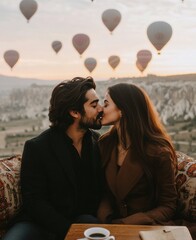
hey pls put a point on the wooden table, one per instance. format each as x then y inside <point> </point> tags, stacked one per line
<point>121,232</point>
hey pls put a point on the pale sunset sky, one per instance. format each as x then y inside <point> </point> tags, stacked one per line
<point>62,19</point>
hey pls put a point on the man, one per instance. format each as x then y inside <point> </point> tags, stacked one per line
<point>61,174</point>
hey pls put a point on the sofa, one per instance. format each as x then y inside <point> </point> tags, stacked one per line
<point>10,197</point>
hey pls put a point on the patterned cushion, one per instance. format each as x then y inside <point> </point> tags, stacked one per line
<point>10,199</point>
<point>186,185</point>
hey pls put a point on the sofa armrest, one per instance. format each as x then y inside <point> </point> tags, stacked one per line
<point>10,196</point>
<point>186,185</point>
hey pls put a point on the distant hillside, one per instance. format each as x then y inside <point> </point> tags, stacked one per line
<point>9,83</point>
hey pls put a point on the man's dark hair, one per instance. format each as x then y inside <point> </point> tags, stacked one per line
<point>66,96</point>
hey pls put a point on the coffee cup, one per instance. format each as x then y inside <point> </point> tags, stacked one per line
<point>98,233</point>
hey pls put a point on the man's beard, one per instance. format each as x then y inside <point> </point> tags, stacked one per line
<point>86,123</point>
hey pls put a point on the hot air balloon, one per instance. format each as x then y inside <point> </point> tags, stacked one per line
<point>81,42</point>
<point>143,58</point>
<point>90,64</point>
<point>114,61</point>
<point>111,18</point>
<point>11,57</point>
<point>28,8</point>
<point>140,67</point>
<point>159,33</point>
<point>56,45</point>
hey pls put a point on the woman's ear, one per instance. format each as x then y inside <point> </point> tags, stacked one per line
<point>74,113</point>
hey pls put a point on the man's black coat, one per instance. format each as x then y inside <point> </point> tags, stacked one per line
<point>48,185</point>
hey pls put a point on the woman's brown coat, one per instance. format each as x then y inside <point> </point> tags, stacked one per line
<point>128,198</point>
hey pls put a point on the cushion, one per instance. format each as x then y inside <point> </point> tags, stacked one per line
<point>186,185</point>
<point>10,199</point>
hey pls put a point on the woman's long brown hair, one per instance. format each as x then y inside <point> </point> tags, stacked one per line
<point>141,122</point>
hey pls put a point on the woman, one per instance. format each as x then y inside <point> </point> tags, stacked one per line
<point>139,160</point>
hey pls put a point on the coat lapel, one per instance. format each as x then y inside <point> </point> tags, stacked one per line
<point>63,154</point>
<point>121,182</point>
<point>111,171</point>
<point>128,175</point>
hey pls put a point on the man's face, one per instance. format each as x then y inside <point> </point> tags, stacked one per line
<point>91,118</point>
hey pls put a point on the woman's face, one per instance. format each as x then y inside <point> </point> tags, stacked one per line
<point>111,113</point>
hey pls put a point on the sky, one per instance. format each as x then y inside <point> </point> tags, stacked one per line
<point>62,19</point>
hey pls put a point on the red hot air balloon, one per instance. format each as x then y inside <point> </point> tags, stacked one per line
<point>81,42</point>
<point>159,33</point>
<point>28,8</point>
<point>90,64</point>
<point>56,45</point>
<point>11,57</point>
<point>113,61</point>
<point>111,18</point>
